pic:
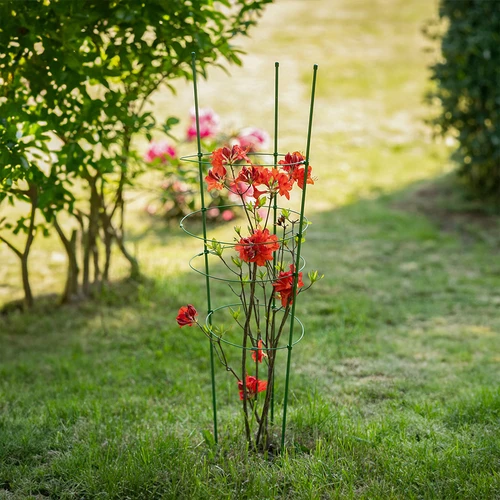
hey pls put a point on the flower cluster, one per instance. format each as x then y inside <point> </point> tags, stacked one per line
<point>255,179</point>
<point>162,153</point>
<point>265,260</point>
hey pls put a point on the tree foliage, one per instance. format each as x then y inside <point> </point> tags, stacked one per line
<point>76,77</point>
<point>468,89</point>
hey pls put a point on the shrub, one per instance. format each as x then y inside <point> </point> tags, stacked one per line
<point>468,89</point>
<point>180,188</point>
<point>76,77</point>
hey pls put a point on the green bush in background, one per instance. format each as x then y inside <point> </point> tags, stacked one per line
<point>468,89</point>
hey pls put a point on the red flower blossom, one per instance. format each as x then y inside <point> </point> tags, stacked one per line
<point>187,316</point>
<point>253,386</point>
<point>216,177</point>
<point>254,176</point>
<point>299,176</point>
<point>219,157</point>
<point>281,183</point>
<point>259,354</point>
<point>284,285</point>
<point>258,247</point>
<point>292,161</point>
<point>293,165</point>
<point>224,156</point>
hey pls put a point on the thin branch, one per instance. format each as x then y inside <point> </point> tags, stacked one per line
<point>12,247</point>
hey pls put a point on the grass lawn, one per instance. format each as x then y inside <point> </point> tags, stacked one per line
<point>395,389</point>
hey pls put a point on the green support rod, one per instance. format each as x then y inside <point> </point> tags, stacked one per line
<point>297,262</point>
<point>205,249</point>
<point>275,205</point>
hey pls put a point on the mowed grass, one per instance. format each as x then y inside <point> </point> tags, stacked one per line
<point>395,388</point>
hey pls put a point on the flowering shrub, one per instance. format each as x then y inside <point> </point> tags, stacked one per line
<point>180,189</point>
<point>262,261</point>
<point>209,124</point>
<point>161,151</point>
<point>254,139</point>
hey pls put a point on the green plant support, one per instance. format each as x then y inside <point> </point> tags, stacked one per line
<point>203,162</point>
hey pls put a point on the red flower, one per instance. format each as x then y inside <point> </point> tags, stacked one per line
<point>259,354</point>
<point>223,156</point>
<point>254,176</point>
<point>292,164</point>
<point>292,161</point>
<point>258,247</point>
<point>281,182</point>
<point>218,158</point>
<point>284,285</point>
<point>187,316</point>
<point>299,176</point>
<point>216,177</point>
<point>253,386</point>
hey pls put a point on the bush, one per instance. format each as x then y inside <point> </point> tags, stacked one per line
<point>468,89</point>
<point>76,78</point>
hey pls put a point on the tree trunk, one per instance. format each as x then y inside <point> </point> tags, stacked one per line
<point>90,247</point>
<point>28,295</point>
<point>71,288</point>
<point>134,264</point>
<point>108,241</point>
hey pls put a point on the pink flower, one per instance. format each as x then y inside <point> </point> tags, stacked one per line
<point>263,213</point>
<point>253,138</point>
<point>209,124</point>
<point>180,187</point>
<point>161,150</point>
<point>213,212</point>
<point>227,215</point>
<point>151,209</point>
<point>240,189</point>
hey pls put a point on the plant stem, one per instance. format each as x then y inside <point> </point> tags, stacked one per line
<point>246,334</point>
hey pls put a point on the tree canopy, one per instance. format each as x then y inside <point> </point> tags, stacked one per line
<point>76,76</point>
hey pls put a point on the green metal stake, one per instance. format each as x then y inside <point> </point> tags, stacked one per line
<point>205,249</point>
<point>297,262</point>
<point>275,205</point>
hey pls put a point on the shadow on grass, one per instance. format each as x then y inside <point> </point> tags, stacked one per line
<point>446,202</point>
<point>398,359</point>
<point>370,248</point>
